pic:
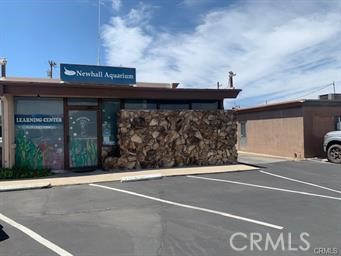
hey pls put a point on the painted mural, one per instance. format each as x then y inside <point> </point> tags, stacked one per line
<point>39,141</point>
<point>83,138</point>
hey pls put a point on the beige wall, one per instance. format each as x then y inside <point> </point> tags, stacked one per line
<point>289,131</point>
<point>275,136</point>
<point>8,144</point>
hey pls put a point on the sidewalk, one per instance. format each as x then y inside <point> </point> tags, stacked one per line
<point>257,159</point>
<point>76,179</point>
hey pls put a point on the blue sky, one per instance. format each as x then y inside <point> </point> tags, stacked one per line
<point>280,50</point>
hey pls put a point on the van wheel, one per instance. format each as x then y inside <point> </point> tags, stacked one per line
<point>334,154</point>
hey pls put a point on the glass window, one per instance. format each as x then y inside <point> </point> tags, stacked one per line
<point>140,104</point>
<point>82,102</point>
<point>30,105</point>
<point>110,108</point>
<point>174,105</point>
<point>39,133</point>
<point>243,128</point>
<point>205,105</point>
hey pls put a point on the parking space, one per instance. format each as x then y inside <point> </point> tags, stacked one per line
<point>325,174</point>
<point>183,215</point>
<point>16,243</point>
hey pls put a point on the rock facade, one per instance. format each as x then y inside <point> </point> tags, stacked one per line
<point>156,138</point>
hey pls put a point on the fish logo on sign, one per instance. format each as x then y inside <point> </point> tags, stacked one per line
<point>69,72</point>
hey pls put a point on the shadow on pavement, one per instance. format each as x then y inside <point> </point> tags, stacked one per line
<point>3,235</point>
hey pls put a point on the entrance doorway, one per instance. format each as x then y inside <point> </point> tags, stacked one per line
<point>82,135</point>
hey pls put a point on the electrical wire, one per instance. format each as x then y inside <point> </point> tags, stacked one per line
<point>319,89</point>
<point>310,90</point>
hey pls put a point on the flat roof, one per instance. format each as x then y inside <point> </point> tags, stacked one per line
<point>290,104</point>
<point>54,80</point>
<point>57,88</point>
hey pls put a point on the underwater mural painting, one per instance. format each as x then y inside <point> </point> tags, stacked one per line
<point>39,133</point>
<point>39,141</point>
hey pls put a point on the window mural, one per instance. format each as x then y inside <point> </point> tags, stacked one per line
<point>83,138</point>
<point>39,133</point>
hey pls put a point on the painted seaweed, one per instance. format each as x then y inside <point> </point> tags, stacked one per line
<point>27,154</point>
<point>83,152</point>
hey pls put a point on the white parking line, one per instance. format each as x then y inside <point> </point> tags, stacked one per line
<point>266,187</point>
<point>191,207</point>
<point>35,236</point>
<point>300,181</point>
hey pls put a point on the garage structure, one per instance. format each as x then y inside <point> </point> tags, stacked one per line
<point>292,129</point>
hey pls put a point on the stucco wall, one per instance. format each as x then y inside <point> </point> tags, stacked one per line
<point>278,133</point>
<point>318,120</point>
<point>154,138</point>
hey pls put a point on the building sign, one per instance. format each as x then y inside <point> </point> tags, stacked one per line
<point>97,74</point>
<point>38,121</point>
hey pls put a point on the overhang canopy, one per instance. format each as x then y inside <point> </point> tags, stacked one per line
<point>54,88</point>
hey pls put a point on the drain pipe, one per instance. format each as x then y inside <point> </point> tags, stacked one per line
<point>3,62</point>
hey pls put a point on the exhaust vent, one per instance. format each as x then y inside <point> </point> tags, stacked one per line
<point>3,62</point>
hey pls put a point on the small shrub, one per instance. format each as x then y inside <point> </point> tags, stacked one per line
<point>22,173</point>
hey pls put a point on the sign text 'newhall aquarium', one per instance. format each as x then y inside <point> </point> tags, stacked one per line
<point>97,74</point>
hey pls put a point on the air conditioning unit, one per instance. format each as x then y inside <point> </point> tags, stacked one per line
<point>330,96</point>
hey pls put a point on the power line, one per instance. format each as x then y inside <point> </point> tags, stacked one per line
<point>319,89</point>
<point>310,90</point>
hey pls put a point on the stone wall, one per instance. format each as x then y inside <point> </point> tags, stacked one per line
<point>156,138</point>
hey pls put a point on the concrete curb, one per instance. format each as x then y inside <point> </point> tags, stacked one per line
<point>253,165</point>
<point>8,188</point>
<point>109,177</point>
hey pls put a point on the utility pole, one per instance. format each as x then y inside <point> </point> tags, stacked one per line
<point>52,66</point>
<point>334,87</point>
<point>99,33</point>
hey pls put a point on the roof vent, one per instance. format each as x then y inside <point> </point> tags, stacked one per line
<point>231,75</point>
<point>3,62</point>
<point>175,85</point>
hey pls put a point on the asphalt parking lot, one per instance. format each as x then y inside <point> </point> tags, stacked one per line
<point>196,215</point>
